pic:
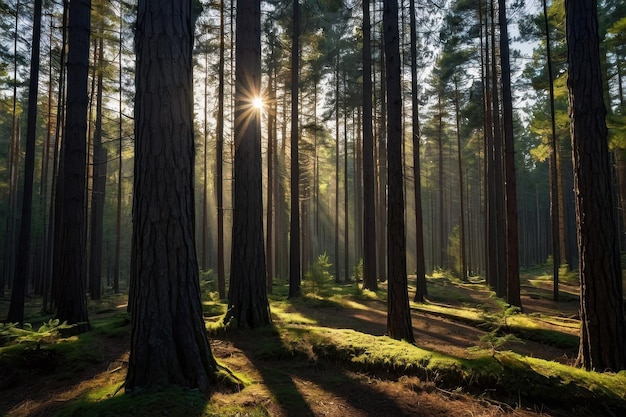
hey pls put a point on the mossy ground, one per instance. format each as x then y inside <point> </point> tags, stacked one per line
<point>327,354</point>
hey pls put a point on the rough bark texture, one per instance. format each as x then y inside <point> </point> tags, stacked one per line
<point>398,313</point>
<point>69,270</point>
<point>247,296</point>
<point>169,345</point>
<point>603,331</point>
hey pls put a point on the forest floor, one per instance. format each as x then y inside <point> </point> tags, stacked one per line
<point>286,370</point>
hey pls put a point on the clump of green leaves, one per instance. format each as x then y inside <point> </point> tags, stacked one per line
<point>12,333</point>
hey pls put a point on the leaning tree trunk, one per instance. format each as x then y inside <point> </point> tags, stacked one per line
<point>603,331</point>
<point>398,313</point>
<point>169,345</point>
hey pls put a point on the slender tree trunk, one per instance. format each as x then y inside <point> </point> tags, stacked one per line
<point>421,290</point>
<point>120,156</point>
<point>98,188</point>
<point>603,330</point>
<point>462,253</point>
<point>16,308</point>
<point>510,189</point>
<point>337,268</point>
<point>294,240</point>
<point>10,244</point>
<point>398,313</point>
<point>271,139</point>
<point>346,216</point>
<point>219,163</point>
<point>369,187</point>
<point>554,185</point>
<point>499,195</point>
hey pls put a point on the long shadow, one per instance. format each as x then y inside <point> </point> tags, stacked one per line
<point>282,372</point>
<point>276,365</point>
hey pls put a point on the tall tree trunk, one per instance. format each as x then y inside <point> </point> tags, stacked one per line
<point>294,239</point>
<point>98,188</point>
<point>337,268</point>
<point>462,254</point>
<point>271,139</point>
<point>346,216</point>
<point>10,244</point>
<point>499,195</point>
<point>16,308</point>
<point>381,221</point>
<point>247,295</point>
<point>219,163</point>
<point>554,185</point>
<point>69,274</point>
<point>510,189</point>
<point>603,330</point>
<point>120,156</point>
<point>169,345</point>
<point>398,311</point>
<point>421,290</point>
<point>369,187</point>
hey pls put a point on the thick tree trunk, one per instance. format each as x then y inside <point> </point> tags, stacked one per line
<point>169,345</point>
<point>603,331</point>
<point>398,313</point>
<point>247,295</point>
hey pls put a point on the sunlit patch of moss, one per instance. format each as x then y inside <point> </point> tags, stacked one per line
<point>507,372</point>
<point>213,308</point>
<point>286,313</point>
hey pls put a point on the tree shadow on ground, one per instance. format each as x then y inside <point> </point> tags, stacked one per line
<point>304,386</point>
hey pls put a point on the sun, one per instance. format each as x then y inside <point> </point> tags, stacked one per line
<point>257,103</point>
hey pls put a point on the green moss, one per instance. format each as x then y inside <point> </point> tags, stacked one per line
<point>170,402</point>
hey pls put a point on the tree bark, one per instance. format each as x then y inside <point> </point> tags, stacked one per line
<point>510,186</point>
<point>603,331</point>
<point>169,345</point>
<point>398,313</point>
<point>69,273</point>
<point>98,188</point>
<point>247,295</point>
